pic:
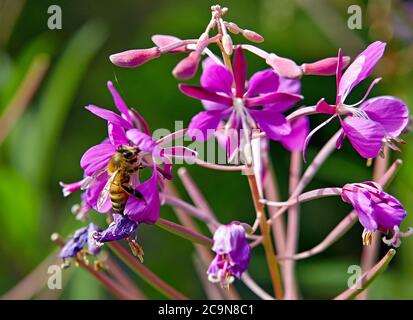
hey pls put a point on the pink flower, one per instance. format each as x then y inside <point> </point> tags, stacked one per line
<point>377,210</point>
<point>122,132</point>
<point>259,105</point>
<point>377,120</point>
<point>233,254</point>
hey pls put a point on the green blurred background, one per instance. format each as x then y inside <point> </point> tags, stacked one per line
<point>43,145</point>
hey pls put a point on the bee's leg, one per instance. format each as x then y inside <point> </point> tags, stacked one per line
<point>135,169</point>
<point>128,189</point>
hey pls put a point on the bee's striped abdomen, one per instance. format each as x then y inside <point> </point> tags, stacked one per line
<point>118,196</point>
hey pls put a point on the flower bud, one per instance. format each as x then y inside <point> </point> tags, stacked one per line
<point>324,67</point>
<point>283,66</point>
<point>134,58</point>
<point>252,36</point>
<point>227,44</point>
<point>161,40</point>
<point>233,28</point>
<point>187,67</point>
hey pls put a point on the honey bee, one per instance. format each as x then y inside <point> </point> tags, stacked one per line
<point>121,166</point>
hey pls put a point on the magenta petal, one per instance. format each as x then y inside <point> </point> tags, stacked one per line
<point>265,81</point>
<point>109,116</point>
<point>390,112</point>
<point>299,131</point>
<point>203,94</point>
<point>69,188</point>
<point>339,73</point>
<point>240,72</point>
<point>340,139</point>
<point>274,124</point>
<point>148,212</point>
<point>324,107</point>
<point>361,68</point>
<point>94,191</point>
<point>390,212</point>
<point>292,86</point>
<point>279,101</point>
<point>217,78</point>
<point>117,135</point>
<point>213,106</point>
<point>141,140</point>
<point>96,158</point>
<point>140,122</point>
<point>361,201</point>
<point>203,125</point>
<point>366,136</point>
<point>119,103</point>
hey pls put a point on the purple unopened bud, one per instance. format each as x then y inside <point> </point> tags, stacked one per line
<point>324,67</point>
<point>134,58</point>
<point>187,67</point>
<point>252,36</point>
<point>284,67</point>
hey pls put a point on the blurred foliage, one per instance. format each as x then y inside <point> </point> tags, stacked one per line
<point>46,144</point>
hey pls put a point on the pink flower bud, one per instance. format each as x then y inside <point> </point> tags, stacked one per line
<point>203,42</point>
<point>161,40</point>
<point>284,67</point>
<point>233,28</point>
<point>324,67</point>
<point>227,44</point>
<point>187,67</point>
<point>252,36</point>
<point>134,58</point>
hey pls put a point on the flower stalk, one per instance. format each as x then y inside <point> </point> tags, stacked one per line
<point>290,281</point>
<point>183,232</point>
<point>266,238</point>
<point>142,271</point>
<point>368,277</point>
<point>113,287</point>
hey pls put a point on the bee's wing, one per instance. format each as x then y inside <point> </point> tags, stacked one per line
<point>105,192</point>
<point>89,180</point>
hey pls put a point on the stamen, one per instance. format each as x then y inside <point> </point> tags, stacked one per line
<point>367,236</point>
<point>355,112</point>
<point>136,249</point>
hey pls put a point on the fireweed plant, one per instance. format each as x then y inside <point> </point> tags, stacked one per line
<point>243,115</point>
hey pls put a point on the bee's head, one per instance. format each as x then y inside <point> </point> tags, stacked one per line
<point>127,152</point>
